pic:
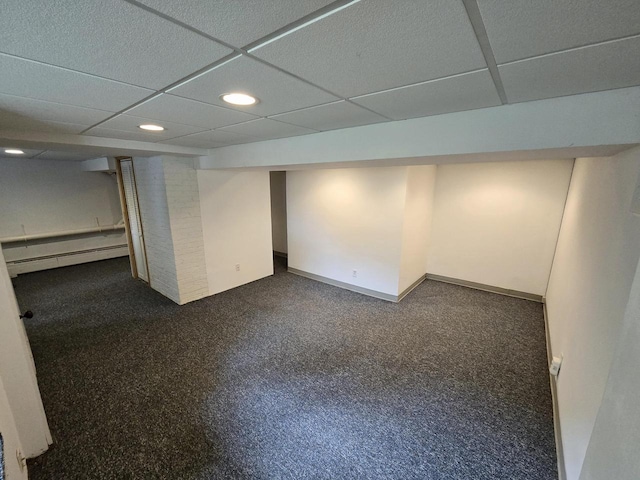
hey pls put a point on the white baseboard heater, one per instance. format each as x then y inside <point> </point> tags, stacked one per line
<point>34,264</point>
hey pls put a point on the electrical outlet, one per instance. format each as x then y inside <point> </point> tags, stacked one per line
<point>355,274</point>
<point>237,267</point>
<point>556,363</point>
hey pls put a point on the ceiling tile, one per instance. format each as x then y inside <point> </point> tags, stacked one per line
<point>265,128</point>
<point>189,112</point>
<point>126,127</point>
<point>66,156</point>
<point>28,152</point>
<point>277,91</point>
<point>111,39</point>
<point>523,28</point>
<point>20,108</point>
<point>239,22</point>
<point>589,69</point>
<point>25,78</point>
<point>335,115</point>
<point>15,121</point>
<point>462,92</point>
<point>375,45</point>
<point>211,139</point>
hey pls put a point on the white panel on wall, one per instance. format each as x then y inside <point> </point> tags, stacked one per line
<point>345,220</point>
<point>598,250</point>
<point>236,225</point>
<point>497,223</point>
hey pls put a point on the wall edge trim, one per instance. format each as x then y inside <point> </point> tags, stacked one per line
<point>562,472</point>
<point>347,286</point>
<point>410,288</point>
<point>487,288</point>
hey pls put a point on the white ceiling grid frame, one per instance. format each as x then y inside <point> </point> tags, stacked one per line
<point>212,139</point>
<point>32,79</point>
<point>277,92</point>
<point>330,116</point>
<point>267,128</point>
<point>369,46</point>
<point>167,107</point>
<point>240,22</point>
<point>135,49</point>
<point>520,29</point>
<point>466,91</point>
<point>583,46</point>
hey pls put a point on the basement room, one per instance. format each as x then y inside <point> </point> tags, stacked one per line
<point>314,239</point>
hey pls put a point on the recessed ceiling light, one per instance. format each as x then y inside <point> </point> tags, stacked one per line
<point>13,151</point>
<point>239,99</point>
<point>151,127</point>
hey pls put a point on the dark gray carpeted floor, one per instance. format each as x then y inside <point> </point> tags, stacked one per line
<point>286,378</point>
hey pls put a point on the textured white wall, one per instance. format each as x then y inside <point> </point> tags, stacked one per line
<point>416,230</point>
<point>52,196</point>
<point>236,224</point>
<point>345,220</point>
<point>183,199</point>
<point>279,211</point>
<point>154,213</point>
<point>497,223</point>
<point>593,270</point>
<point>170,211</point>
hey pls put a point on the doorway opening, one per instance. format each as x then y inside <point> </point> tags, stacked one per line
<point>132,220</point>
<point>278,181</point>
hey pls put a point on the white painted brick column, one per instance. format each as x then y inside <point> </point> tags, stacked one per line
<point>172,227</point>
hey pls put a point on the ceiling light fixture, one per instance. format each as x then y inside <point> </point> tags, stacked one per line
<point>13,151</point>
<point>151,127</point>
<point>239,99</point>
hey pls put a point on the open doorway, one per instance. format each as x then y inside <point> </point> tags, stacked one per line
<point>278,182</point>
<point>131,215</point>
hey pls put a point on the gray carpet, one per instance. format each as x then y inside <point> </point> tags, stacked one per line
<point>286,378</point>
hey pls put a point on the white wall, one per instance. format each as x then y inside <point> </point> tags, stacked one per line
<point>497,223</point>
<point>279,211</point>
<point>12,467</point>
<point>52,196</point>
<point>596,258</point>
<point>348,219</point>
<point>17,373</point>
<point>416,230</point>
<point>170,212</point>
<point>613,448</point>
<point>236,225</point>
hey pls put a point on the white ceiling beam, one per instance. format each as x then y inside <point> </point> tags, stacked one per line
<point>89,144</point>
<point>581,123</point>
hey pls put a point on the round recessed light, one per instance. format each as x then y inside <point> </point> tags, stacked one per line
<point>239,99</point>
<point>13,151</point>
<point>151,127</point>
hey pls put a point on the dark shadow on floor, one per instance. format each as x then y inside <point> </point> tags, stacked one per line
<point>286,378</point>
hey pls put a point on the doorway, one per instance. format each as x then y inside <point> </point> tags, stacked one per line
<point>278,181</point>
<point>131,215</point>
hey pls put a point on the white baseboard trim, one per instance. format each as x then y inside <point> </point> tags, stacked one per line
<point>487,288</point>
<point>354,288</point>
<point>27,265</point>
<point>562,473</point>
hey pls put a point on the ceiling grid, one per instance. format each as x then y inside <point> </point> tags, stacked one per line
<point>103,68</point>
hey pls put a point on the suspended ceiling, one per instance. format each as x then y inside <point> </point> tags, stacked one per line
<point>103,67</point>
